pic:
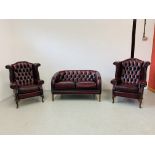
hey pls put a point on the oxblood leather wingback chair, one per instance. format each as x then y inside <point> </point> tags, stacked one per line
<point>130,79</point>
<point>25,80</point>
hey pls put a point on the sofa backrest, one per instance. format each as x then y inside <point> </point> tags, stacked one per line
<point>77,75</point>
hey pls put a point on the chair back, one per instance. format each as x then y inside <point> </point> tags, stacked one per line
<point>131,71</point>
<point>23,73</point>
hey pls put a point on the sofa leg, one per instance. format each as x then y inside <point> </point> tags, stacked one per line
<point>52,97</point>
<point>140,103</point>
<point>99,97</point>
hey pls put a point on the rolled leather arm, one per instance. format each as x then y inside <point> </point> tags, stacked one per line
<point>7,66</point>
<point>13,86</point>
<point>36,64</point>
<point>116,63</point>
<point>142,83</point>
<point>98,81</point>
<point>114,81</point>
<point>53,80</point>
<point>40,82</point>
<point>118,70</point>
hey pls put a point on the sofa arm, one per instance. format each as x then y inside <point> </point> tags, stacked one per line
<point>40,82</point>
<point>114,81</point>
<point>53,80</point>
<point>98,81</point>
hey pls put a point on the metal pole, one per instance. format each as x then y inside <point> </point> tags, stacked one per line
<point>133,38</point>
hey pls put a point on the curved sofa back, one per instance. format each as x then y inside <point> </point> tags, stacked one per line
<point>77,75</point>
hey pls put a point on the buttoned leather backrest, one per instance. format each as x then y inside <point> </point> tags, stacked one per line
<point>23,72</point>
<point>77,75</point>
<point>131,71</point>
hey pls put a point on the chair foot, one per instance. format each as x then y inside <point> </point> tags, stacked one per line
<point>42,98</point>
<point>17,104</point>
<point>52,97</point>
<point>113,99</point>
<point>140,103</point>
<point>99,97</point>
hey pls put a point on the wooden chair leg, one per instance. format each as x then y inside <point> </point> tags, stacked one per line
<point>113,99</point>
<point>42,98</point>
<point>99,97</point>
<point>52,97</point>
<point>16,100</point>
<point>140,103</point>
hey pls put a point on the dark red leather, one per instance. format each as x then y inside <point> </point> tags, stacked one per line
<point>76,82</point>
<point>130,88</point>
<point>28,89</point>
<point>130,78</point>
<point>77,75</point>
<point>25,80</point>
<point>131,71</point>
<point>86,85</point>
<point>23,73</point>
<point>65,85</point>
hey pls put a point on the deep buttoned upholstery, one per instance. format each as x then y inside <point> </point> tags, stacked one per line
<point>76,82</point>
<point>25,80</point>
<point>130,78</point>
<point>23,73</point>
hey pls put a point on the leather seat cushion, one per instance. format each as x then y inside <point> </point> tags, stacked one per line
<point>65,85</point>
<point>28,89</point>
<point>86,85</point>
<point>129,88</point>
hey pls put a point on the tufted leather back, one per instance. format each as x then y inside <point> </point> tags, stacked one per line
<point>23,73</point>
<point>77,75</point>
<point>131,71</point>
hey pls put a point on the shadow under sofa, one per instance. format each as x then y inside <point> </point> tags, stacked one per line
<point>76,82</point>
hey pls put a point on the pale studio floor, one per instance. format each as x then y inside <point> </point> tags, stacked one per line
<point>76,114</point>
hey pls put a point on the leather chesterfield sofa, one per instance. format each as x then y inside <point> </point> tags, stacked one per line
<point>76,82</point>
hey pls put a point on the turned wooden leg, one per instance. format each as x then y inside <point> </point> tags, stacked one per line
<point>52,97</point>
<point>16,100</point>
<point>113,99</point>
<point>42,98</point>
<point>99,97</point>
<point>17,103</point>
<point>140,103</point>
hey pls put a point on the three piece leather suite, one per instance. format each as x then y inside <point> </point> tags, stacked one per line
<point>129,81</point>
